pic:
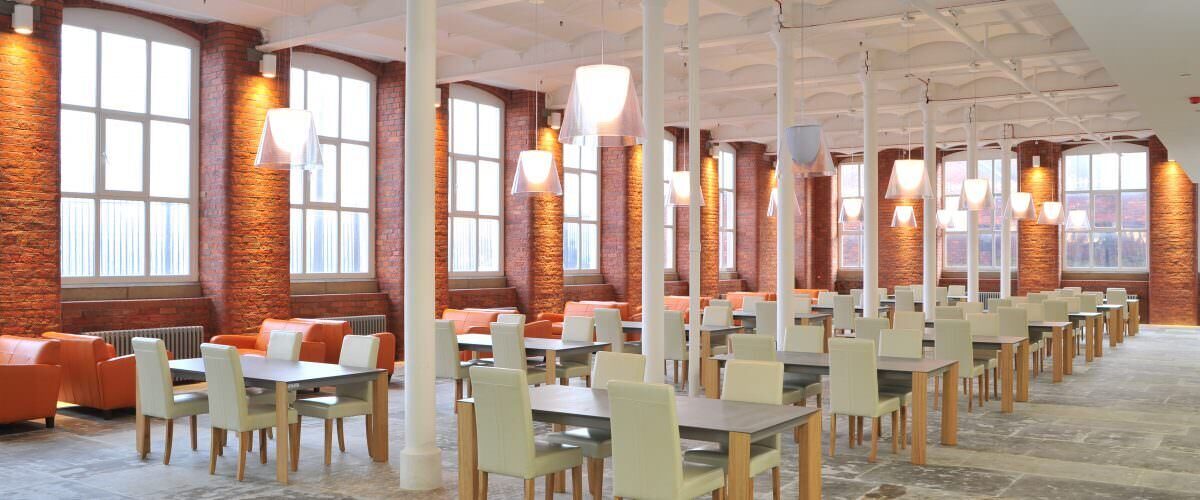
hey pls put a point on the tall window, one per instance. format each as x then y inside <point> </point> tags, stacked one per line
<point>668,211</point>
<point>954,171</point>
<point>727,211</point>
<point>331,208</point>
<point>581,215</point>
<point>128,160</point>
<point>850,235</point>
<point>476,187</point>
<point>1111,187</point>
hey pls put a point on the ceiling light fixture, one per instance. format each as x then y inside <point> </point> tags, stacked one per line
<point>773,204</point>
<point>602,109</point>
<point>945,218</point>
<point>679,189</point>
<point>1077,220</point>
<point>289,140</point>
<point>851,211</point>
<point>22,18</point>
<point>1020,206</point>
<point>903,216</point>
<point>1052,213</point>
<point>537,172</point>
<point>976,195</point>
<point>908,181</point>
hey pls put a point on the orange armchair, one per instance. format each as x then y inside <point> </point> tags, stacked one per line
<point>681,303</point>
<point>30,376</point>
<point>93,376</point>
<point>582,308</point>
<point>312,344</point>
<point>735,298</point>
<point>331,332</point>
<point>471,320</point>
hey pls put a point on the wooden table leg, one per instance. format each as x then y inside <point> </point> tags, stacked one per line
<point>711,378</point>
<point>1119,319</point>
<point>920,412</point>
<point>551,377</point>
<point>141,425</point>
<point>1089,340</point>
<point>809,451</point>
<point>379,418</point>
<point>1058,356</point>
<point>1006,378</point>
<point>1069,344</point>
<point>705,353</point>
<point>468,454</point>
<point>828,332</point>
<point>560,477</point>
<point>740,484</point>
<point>950,407</point>
<point>1135,318</point>
<point>1023,371</point>
<point>283,450</point>
<point>1098,343</point>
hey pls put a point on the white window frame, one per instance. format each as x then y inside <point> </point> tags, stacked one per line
<point>302,63</point>
<point>102,21</point>
<point>960,226</point>
<point>727,212</point>
<point>669,219</point>
<point>573,165</point>
<point>478,96</point>
<point>1092,150</point>
<point>843,232</point>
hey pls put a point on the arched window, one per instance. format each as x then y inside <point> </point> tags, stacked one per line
<point>581,209</point>
<point>332,209</point>
<point>668,211</point>
<point>1110,186</point>
<point>476,182</point>
<point>727,208</point>
<point>129,160</point>
<point>850,235</point>
<point>954,171</point>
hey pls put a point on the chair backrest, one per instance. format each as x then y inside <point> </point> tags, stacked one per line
<point>508,345</point>
<point>1034,311</point>
<point>358,351</point>
<point>1055,310</point>
<point>970,307</point>
<point>1014,300</point>
<point>717,316</point>
<point>956,290</point>
<point>645,440</point>
<point>1014,321</point>
<point>902,343</point>
<point>843,312</point>
<point>608,328</point>
<point>908,320</point>
<point>802,303</point>
<point>1075,290</point>
<point>153,377</point>
<point>952,341</point>
<point>511,318</point>
<point>758,382</point>
<point>1117,296</point>
<point>940,294</point>
<point>825,299</point>
<point>804,338</point>
<point>995,303</point>
<point>611,366</point>
<point>445,351</point>
<point>16,350</point>
<point>503,420</point>
<point>284,345</point>
<point>753,347</point>
<point>749,301</point>
<point>1088,303</point>
<point>869,328</point>
<point>857,295</point>
<point>1074,303</point>
<point>918,291</point>
<point>948,312</point>
<point>578,328</point>
<point>227,400</point>
<point>905,300</point>
<point>1037,297</point>
<point>766,318</point>
<point>984,324</point>
<point>673,337</point>
<point>722,303</point>
<point>853,382</point>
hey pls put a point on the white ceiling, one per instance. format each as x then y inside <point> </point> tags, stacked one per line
<point>523,44</point>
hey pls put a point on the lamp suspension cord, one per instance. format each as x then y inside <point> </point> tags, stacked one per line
<point>603,30</point>
<point>537,87</point>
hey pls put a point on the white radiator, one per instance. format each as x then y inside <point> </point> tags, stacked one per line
<point>365,325</point>
<point>182,341</point>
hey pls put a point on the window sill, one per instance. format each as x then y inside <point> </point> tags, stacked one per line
<point>88,291</point>
<point>466,283</point>
<point>728,275</point>
<point>583,279</point>
<point>333,286</point>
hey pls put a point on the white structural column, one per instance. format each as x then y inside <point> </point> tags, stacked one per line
<point>929,207</point>
<point>652,190</point>
<point>870,300</point>
<point>421,460</point>
<point>693,55</point>
<point>785,215</point>
<point>972,217</point>
<point>1006,222</point>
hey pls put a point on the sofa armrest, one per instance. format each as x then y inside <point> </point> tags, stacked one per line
<point>117,384</point>
<point>636,317</point>
<point>541,329</point>
<point>478,329</point>
<point>28,391</point>
<point>551,317</point>
<point>312,351</point>
<point>387,352</point>
<point>238,341</point>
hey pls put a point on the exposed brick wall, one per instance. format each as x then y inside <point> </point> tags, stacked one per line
<point>820,208</point>
<point>29,174</point>
<point>709,230</point>
<point>243,209</point>
<point>483,297</point>
<point>601,291</point>
<point>1037,244</point>
<point>767,256</point>
<point>441,204</point>
<point>339,304</point>
<point>748,189</point>
<point>621,221</point>
<point>389,192</point>
<point>102,315</point>
<point>1172,240</point>
<point>726,286</point>
<point>900,249</point>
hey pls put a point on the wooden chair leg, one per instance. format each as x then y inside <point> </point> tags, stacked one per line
<point>458,392</point>
<point>996,382</point>
<point>832,434</point>
<point>859,431</point>
<point>903,427</point>
<point>776,484</point>
<point>577,483</point>
<point>595,473</point>
<point>895,432</point>
<point>214,447</point>
<point>483,480</point>
<point>549,486</point>
<point>983,383</point>
<point>167,443</point>
<point>937,393</point>
<point>341,437</point>
<point>970,396</point>
<point>294,443</point>
<point>819,401</point>
<point>262,446</point>
<point>192,421</point>
<point>876,425</point>
<point>221,441</point>
<point>329,440</point>
<point>850,430</point>
<point>243,443</point>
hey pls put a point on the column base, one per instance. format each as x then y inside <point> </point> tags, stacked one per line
<point>420,469</point>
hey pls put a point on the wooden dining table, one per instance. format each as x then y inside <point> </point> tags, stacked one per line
<point>708,334</point>
<point>749,319</point>
<point>1093,335</point>
<point>919,369</point>
<point>1115,323</point>
<point>1062,340</point>
<point>287,376</point>
<point>550,349</point>
<point>730,423</point>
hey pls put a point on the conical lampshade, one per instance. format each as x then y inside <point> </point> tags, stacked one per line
<point>909,181</point>
<point>679,190</point>
<point>945,217</point>
<point>602,109</point>
<point>1052,213</point>
<point>1077,220</point>
<point>851,211</point>
<point>903,216</point>
<point>976,195</point>
<point>773,204</point>
<point>810,157</point>
<point>289,139</point>
<point>1020,207</point>
<point>536,173</point>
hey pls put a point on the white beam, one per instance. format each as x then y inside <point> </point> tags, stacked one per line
<point>870,294</point>
<point>972,217</point>
<point>929,210</point>
<point>694,172</point>
<point>652,193</point>
<point>1006,221</point>
<point>785,217</point>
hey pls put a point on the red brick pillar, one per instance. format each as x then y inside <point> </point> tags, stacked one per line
<point>441,204</point>
<point>900,249</point>
<point>1172,240</point>
<point>389,192</point>
<point>243,209</point>
<point>820,211</point>
<point>767,227</point>
<point>1038,259</point>
<point>749,186</point>
<point>621,221</point>
<point>29,174</point>
<point>709,230</point>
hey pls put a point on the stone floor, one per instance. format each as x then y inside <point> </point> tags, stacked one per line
<point>1125,427</point>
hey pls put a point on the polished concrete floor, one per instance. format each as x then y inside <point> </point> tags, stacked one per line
<point>1125,427</point>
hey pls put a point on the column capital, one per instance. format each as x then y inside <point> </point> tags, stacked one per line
<point>783,38</point>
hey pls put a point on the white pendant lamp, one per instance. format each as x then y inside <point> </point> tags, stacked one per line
<point>851,211</point>
<point>289,140</point>
<point>1077,220</point>
<point>773,204</point>
<point>810,157</point>
<point>976,195</point>
<point>1052,213</point>
<point>903,216</point>
<point>1020,206</point>
<point>909,181</point>
<point>602,109</point>
<point>537,173</point>
<point>679,189</point>
<point>945,217</point>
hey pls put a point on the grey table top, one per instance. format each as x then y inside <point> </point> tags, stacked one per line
<point>262,372</point>
<point>820,362</point>
<point>636,326</point>
<point>1110,306</point>
<point>857,309</point>
<point>983,341</point>
<point>744,314</point>
<point>533,345</point>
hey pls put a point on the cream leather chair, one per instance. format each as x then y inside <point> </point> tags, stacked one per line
<point>905,300</point>
<point>596,444</point>
<point>952,341</point>
<point>156,393</point>
<point>721,303</point>
<point>1037,297</point>
<point>1034,310</point>
<point>1118,296</point>
<point>749,382</point>
<point>908,320</point>
<point>508,344</point>
<point>717,315</point>
<point>995,303</point>
<point>901,344</point>
<point>231,410</point>
<point>674,345</point>
<point>797,388</point>
<point>1014,322</point>
<point>843,313</point>
<point>749,301</point>
<point>970,307</point>
<point>1056,310</point>
<point>504,429</point>
<point>869,328</point>
<point>947,312</point>
<point>1075,290</point>
<point>825,299</point>
<point>349,400</point>
<point>753,347</point>
<point>804,338</point>
<point>856,394</point>
<point>577,329</point>
<point>956,290</point>
<point>918,292</point>
<point>982,325</point>
<point>766,318</point>
<point>448,363</point>
<point>1088,302</point>
<point>1014,300</point>
<point>941,295</point>
<point>284,345</point>
<point>857,295</point>
<point>802,303</point>
<point>511,318</point>
<point>608,329</point>
<point>646,458</point>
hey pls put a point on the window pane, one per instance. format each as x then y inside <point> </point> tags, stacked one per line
<point>587,197</point>
<point>297,186</point>
<point>1104,250</point>
<point>1133,210</point>
<point>1078,173</point>
<point>668,156</point>
<point>463,127</point>
<point>489,131</point>
<point>1133,249</point>
<point>323,102</point>
<point>122,237</point>
<point>489,245</point>
<point>726,256</point>
<point>296,82</point>
<point>1105,171</point>
<point>356,110</point>
<point>489,188</point>
<point>356,176</point>
<point>570,246</point>
<point>851,250</point>
<point>170,159</point>
<point>956,250</point>
<point>588,157</point>
<point>1104,211</point>
<point>322,184</point>
<point>170,80</point>
<point>78,151</point>
<point>1133,171</point>
<point>727,210</point>
<point>1077,201</point>
<point>78,237</point>
<point>462,254</point>
<point>122,155</point>
<point>355,242</point>
<point>321,235</point>
<point>850,181</point>
<point>589,242</point>
<point>954,173</point>
<point>668,248</point>
<point>296,240</point>
<point>987,249</point>
<point>122,73</point>
<point>464,186</point>
<point>570,194</point>
<point>170,234</point>
<point>571,157</point>
<point>1078,250</point>
<point>78,66</point>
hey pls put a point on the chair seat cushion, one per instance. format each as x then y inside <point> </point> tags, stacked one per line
<point>535,375</point>
<point>762,458</point>
<point>700,479</point>
<point>795,393</point>
<point>572,369</point>
<point>904,394</point>
<point>989,362</point>
<point>718,350</point>
<point>595,443</point>
<point>552,457</point>
<point>330,407</point>
<point>190,403</point>
<point>260,416</point>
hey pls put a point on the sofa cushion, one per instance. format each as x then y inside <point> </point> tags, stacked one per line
<point>585,308</point>
<point>305,329</point>
<point>28,351</point>
<point>330,332</point>
<point>464,319</point>
<point>736,298</point>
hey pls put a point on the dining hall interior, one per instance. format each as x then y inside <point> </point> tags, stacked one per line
<point>333,249</point>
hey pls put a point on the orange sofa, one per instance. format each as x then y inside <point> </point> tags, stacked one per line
<point>332,331</point>
<point>30,377</point>
<point>735,298</point>
<point>320,340</point>
<point>681,303</point>
<point>583,308</point>
<point>811,292</point>
<point>93,376</point>
<point>471,320</point>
